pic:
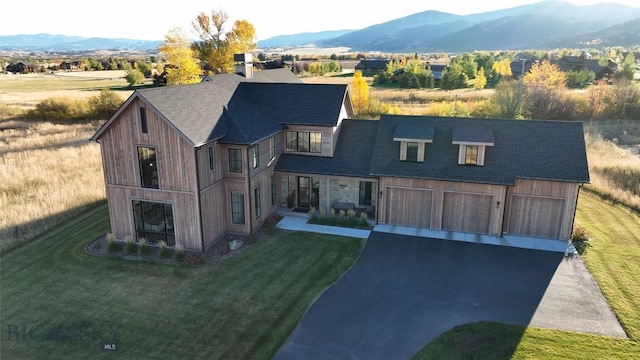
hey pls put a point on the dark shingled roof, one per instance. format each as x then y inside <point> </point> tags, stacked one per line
<point>475,133</point>
<point>352,156</point>
<point>408,132</point>
<point>241,110</point>
<point>530,149</point>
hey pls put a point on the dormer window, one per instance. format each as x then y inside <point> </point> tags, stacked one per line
<point>413,140</point>
<point>473,141</point>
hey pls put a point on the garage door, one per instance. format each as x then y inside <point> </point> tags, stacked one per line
<point>535,216</point>
<point>409,207</point>
<point>467,212</point>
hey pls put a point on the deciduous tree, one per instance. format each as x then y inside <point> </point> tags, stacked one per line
<point>360,93</point>
<point>183,67</point>
<point>216,46</point>
<point>481,80</point>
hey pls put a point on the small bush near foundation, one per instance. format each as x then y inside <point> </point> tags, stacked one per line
<point>193,258</point>
<point>112,245</point>
<point>580,239</point>
<point>270,227</point>
<point>179,255</point>
<point>130,246</point>
<point>143,247</point>
<point>224,249</point>
<point>163,252</point>
<point>251,239</point>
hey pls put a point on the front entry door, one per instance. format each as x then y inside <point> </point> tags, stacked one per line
<point>303,191</point>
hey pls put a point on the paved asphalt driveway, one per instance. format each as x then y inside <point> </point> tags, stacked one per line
<point>404,291</point>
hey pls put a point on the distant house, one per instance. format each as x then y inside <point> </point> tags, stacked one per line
<point>69,65</point>
<point>22,68</point>
<point>578,63</point>
<point>436,70</point>
<point>370,67</point>
<point>520,67</point>
<point>189,164</point>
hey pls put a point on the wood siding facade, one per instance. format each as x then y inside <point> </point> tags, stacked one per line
<point>535,208</point>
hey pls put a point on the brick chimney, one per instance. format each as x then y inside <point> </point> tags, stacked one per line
<point>243,65</point>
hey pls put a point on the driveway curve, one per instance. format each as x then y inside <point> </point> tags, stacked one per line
<point>404,291</point>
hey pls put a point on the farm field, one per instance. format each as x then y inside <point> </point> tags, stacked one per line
<point>26,90</point>
<point>52,209</point>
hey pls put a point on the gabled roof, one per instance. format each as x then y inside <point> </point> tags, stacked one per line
<point>530,149</point>
<point>236,109</point>
<point>352,155</point>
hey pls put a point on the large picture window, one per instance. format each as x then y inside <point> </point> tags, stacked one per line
<point>235,160</point>
<point>154,221</point>
<point>365,193</point>
<point>148,167</point>
<point>237,207</point>
<point>304,141</point>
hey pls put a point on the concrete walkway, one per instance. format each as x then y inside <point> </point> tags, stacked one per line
<point>406,290</point>
<point>299,223</point>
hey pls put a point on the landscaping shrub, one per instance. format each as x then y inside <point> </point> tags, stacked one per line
<point>59,109</point>
<point>179,255</point>
<point>270,226</point>
<point>112,245</point>
<point>130,246</point>
<point>163,252</point>
<point>193,258</point>
<point>143,247</point>
<point>580,239</point>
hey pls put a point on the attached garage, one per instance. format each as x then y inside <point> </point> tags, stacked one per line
<point>536,216</point>
<point>409,207</point>
<point>467,212</point>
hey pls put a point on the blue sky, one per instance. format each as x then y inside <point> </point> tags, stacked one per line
<point>152,20</point>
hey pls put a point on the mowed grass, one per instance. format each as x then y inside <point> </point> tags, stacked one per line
<point>613,260</point>
<point>244,308</point>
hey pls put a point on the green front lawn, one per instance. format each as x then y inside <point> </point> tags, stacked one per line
<point>613,260</point>
<point>243,308</point>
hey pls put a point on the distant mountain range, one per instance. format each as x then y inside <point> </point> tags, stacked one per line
<point>543,25</point>
<point>59,43</point>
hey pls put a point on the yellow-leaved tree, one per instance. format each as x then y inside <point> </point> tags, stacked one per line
<point>182,67</point>
<point>481,80</point>
<point>216,47</point>
<point>360,93</point>
<point>545,94</point>
<point>503,68</point>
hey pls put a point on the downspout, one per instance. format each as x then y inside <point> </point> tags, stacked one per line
<point>198,200</point>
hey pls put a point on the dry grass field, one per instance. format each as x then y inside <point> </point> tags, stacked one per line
<point>48,174</point>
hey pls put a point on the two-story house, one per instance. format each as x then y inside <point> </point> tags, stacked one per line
<point>188,164</point>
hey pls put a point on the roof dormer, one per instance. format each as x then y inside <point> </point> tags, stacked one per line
<point>412,141</point>
<point>473,141</point>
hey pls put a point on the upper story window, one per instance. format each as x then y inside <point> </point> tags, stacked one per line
<point>148,167</point>
<point>212,159</point>
<point>412,151</point>
<point>413,141</point>
<point>235,160</point>
<point>304,141</point>
<point>255,156</point>
<point>143,120</point>
<point>473,141</point>
<point>272,148</point>
<point>471,154</point>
